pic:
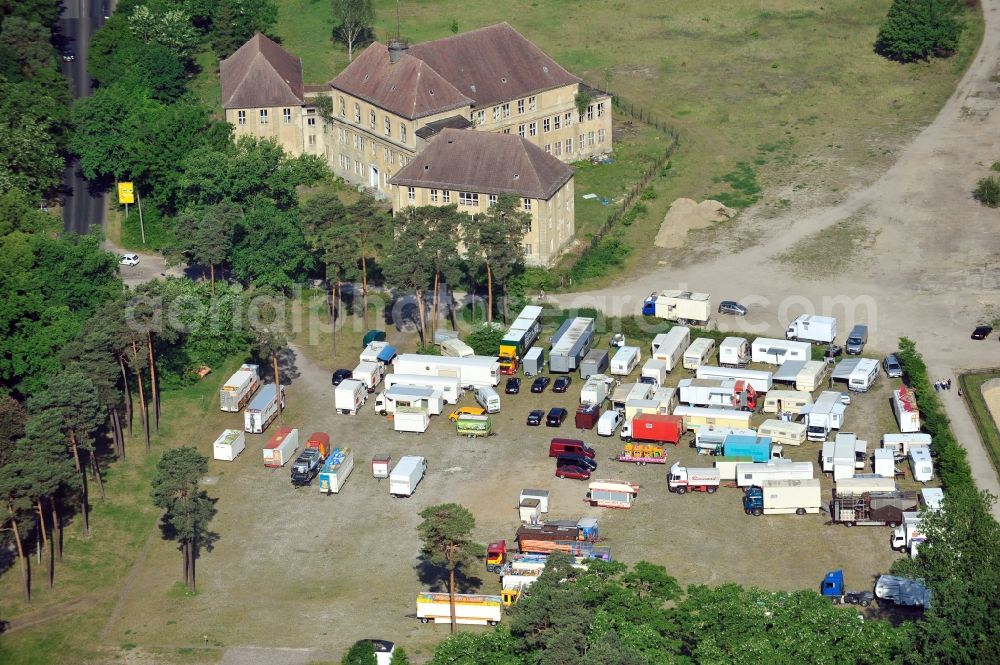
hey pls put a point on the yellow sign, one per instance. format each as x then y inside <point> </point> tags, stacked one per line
<point>125,193</point>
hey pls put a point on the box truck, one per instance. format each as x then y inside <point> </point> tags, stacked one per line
<point>368,373</point>
<point>697,417</point>
<point>761,381</point>
<point>824,415</point>
<point>718,393</point>
<point>786,401</point>
<point>406,475</point>
<point>595,362</point>
<point>921,464</point>
<point>596,389</point>
<point>240,387</point>
<point>783,497</point>
<point>734,352</point>
<point>336,468</point>
<point>523,333</point>
<point>473,371</point>
<point>488,398</point>
<point>813,328</point>
<point>625,360</point>
<point>570,344</point>
<point>349,396</point>
<point>281,448</point>
<point>670,346</point>
<point>904,407</point>
<point>653,371</point>
<point>411,419</point>
<point>682,479</point>
<point>684,306</point>
<point>755,473</point>
<point>653,428</point>
<point>469,608</point>
<point>909,535</point>
<point>757,448</point>
<point>778,351</point>
<point>783,432</point>
<point>229,445</point>
<point>450,386</point>
<point>263,409</point>
<point>699,353</point>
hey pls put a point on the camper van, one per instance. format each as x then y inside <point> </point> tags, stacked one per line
<point>785,433</point>
<point>488,398</point>
<point>786,401</point>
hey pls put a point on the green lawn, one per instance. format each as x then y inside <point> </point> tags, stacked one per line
<point>971,387</point>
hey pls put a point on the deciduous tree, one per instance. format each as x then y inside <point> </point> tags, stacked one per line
<point>446,535</point>
<point>494,240</point>
<point>918,29</point>
<point>355,20</point>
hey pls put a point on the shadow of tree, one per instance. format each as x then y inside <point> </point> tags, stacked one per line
<point>435,578</point>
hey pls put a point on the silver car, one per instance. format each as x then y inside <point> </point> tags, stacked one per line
<point>893,369</point>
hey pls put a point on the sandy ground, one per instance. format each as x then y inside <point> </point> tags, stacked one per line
<point>991,393</point>
<point>933,270</point>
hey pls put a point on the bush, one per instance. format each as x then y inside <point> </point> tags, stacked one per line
<point>988,191</point>
<point>606,255</point>
<point>917,29</point>
<point>649,193</point>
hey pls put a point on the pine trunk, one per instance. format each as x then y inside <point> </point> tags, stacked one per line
<point>143,413</point>
<point>422,316</point>
<point>364,289</point>
<point>116,423</point>
<point>128,394</point>
<point>489,293</point>
<point>451,597</point>
<point>335,307</point>
<point>184,558</point>
<point>152,383</point>
<point>277,380</point>
<point>191,566</point>
<point>211,277</point>
<point>22,560</point>
<point>506,303</point>
<point>434,307</point>
<point>97,473</point>
<point>331,312</point>
<point>83,505</point>
<point>46,543</point>
<point>57,531</point>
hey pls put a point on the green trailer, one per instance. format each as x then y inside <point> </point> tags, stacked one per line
<point>469,425</point>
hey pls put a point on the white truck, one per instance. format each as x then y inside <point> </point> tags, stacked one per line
<point>654,371</point>
<point>596,389</point>
<point>699,353</point>
<point>469,608</point>
<point>625,360</point>
<point>411,419</point>
<point>778,351</point>
<point>908,536</point>
<point>670,346</point>
<point>904,406</point>
<point>682,479</point>
<point>783,497</point>
<point>262,409</point>
<point>429,399</point>
<point>240,387</point>
<point>813,328</point>
<point>683,306</point>
<point>755,473</point>
<point>844,455</point>
<point>734,352</point>
<point>760,380</point>
<point>450,386</point>
<point>406,475</point>
<point>473,371</point>
<point>824,415</point>
<point>368,373</point>
<point>349,396</point>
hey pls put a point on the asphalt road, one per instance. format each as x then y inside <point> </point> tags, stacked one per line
<point>82,209</point>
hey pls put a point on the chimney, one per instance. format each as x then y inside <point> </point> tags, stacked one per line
<point>397,47</point>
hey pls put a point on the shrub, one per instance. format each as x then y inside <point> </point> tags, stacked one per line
<point>917,29</point>
<point>988,191</point>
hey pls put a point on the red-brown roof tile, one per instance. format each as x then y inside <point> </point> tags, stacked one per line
<point>260,74</point>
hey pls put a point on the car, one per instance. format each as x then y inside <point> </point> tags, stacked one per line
<point>540,384</point>
<point>556,416</point>
<point>833,351</point>
<point>339,376</point>
<point>574,472</point>
<point>67,53</point>
<point>129,259</point>
<point>609,422</point>
<point>732,307</point>
<point>892,367</point>
<point>466,411</point>
<point>982,332</point>
<point>617,341</point>
<point>569,459</point>
<point>845,398</point>
<point>513,386</point>
<point>562,384</point>
<point>535,418</point>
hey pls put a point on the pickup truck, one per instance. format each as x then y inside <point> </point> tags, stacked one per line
<point>306,466</point>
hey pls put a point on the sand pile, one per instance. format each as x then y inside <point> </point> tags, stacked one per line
<point>687,214</point>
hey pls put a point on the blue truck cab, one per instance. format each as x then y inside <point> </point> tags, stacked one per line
<point>649,305</point>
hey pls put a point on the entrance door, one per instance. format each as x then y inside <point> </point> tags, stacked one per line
<point>373,178</point>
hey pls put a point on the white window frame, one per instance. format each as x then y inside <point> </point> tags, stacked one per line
<point>372,120</point>
<point>496,114</point>
<point>481,117</point>
<point>520,107</point>
<point>357,113</point>
<point>505,110</point>
<point>434,196</point>
<point>546,126</point>
<point>601,135</point>
<point>411,194</point>
<point>556,122</point>
<point>493,200</point>
<point>520,131</point>
<point>342,107</point>
<point>590,112</point>
<point>241,117</point>
<point>526,204</point>
<point>548,148</point>
<point>600,110</point>
<point>569,146</point>
<point>263,116</point>
<point>402,133</point>
<point>568,119</point>
<point>387,128</point>
<point>531,103</point>
<point>446,196</point>
<point>286,116</point>
<point>468,199</point>
<point>532,129</point>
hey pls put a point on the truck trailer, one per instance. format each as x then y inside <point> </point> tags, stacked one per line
<point>523,333</point>
<point>240,387</point>
<point>757,448</point>
<point>783,497</point>
<point>709,440</point>
<point>281,448</point>
<point>718,393</point>
<point>813,328</point>
<point>697,417</point>
<point>904,407</point>
<point>469,608</point>
<point>761,381</point>
<point>406,475</point>
<point>872,508</point>
<point>755,473</point>
<point>475,371</point>
<point>903,591</point>
<point>411,419</point>
<point>595,363</point>
<point>670,346</point>
<point>653,428</point>
<point>263,409</point>
<point>570,344</point>
<point>684,306</point>
<point>229,445</point>
<point>336,468</point>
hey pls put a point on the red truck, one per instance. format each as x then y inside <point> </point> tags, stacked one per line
<point>653,428</point>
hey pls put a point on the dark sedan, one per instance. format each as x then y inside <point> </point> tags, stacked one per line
<point>513,386</point>
<point>540,384</point>
<point>339,376</point>
<point>562,384</point>
<point>556,416</point>
<point>982,332</point>
<point>570,459</point>
<point>535,418</point>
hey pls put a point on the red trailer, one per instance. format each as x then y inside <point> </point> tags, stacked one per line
<point>321,442</point>
<point>587,415</point>
<point>653,428</point>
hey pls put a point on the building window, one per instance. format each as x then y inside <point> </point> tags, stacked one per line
<point>434,196</point>
<point>371,119</point>
<point>357,167</point>
<point>496,114</point>
<point>445,196</point>
<point>600,136</point>
<point>411,194</point>
<point>506,130</point>
<point>403,160</point>
<point>387,128</point>
<point>527,250</point>
<point>556,122</point>
<point>590,138</point>
<point>311,121</point>
<point>580,142</point>
<point>493,200</point>
<point>548,148</point>
<point>386,177</point>
<point>312,140</point>
<point>531,103</point>
<point>505,110</point>
<point>569,146</point>
<point>385,154</point>
<point>392,157</point>
<point>402,132</point>
<point>532,129</point>
<point>286,115</point>
<point>241,117</point>
<point>480,117</point>
<point>568,119</point>
<point>520,131</point>
<point>520,106</point>
<point>527,202</point>
<point>374,148</point>
<point>590,112</point>
<point>263,116</point>
<point>545,126</point>
<point>468,199</point>
<point>558,148</point>
<point>342,107</point>
<point>357,113</point>
<point>600,110</point>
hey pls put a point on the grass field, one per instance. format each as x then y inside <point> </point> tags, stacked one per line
<point>972,384</point>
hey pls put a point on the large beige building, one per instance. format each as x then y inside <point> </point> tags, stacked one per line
<point>394,101</point>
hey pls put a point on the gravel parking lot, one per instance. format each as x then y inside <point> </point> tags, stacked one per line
<point>295,568</point>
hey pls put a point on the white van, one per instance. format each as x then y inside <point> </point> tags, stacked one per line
<point>488,398</point>
<point>609,422</point>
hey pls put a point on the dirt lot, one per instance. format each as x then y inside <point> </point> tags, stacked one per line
<point>294,568</point>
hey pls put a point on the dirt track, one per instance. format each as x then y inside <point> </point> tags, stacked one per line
<point>933,269</point>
